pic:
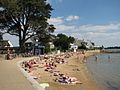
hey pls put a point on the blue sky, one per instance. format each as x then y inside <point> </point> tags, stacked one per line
<point>95,20</point>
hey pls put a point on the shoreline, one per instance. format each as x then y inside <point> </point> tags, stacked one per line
<point>74,68</point>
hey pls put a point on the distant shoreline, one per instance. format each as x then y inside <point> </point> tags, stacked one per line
<point>110,51</point>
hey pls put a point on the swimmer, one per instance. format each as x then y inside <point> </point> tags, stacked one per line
<point>108,56</point>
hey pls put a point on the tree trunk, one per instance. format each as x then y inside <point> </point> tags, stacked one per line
<point>21,43</point>
<point>21,46</point>
<point>22,38</point>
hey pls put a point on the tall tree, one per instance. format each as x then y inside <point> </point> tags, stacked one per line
<point>63,42</point>
<point>71,39</point>
<point>45,36</point>
<point>1,36</point>
<point>25,18</point>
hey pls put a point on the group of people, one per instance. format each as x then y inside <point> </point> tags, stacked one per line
<point>10,54</point>
<point>27,54</point>
<point>49,63</point>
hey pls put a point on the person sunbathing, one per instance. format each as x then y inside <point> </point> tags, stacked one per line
<point>68,80</point>
<point>34,74</point>
<point>73,80</point>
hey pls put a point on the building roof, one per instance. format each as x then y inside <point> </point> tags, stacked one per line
<point>5,43</point>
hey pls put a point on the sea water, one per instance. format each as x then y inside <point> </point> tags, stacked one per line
<point>105,69</point>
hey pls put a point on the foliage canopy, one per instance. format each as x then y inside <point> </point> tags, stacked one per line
<point>62,41</point>
<point>25,18</point>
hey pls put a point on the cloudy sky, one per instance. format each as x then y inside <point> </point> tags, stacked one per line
<point>95,20</point>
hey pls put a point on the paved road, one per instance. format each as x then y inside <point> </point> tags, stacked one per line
<point>11,77</point>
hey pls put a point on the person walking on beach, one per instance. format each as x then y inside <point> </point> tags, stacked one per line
<point>84,59</point>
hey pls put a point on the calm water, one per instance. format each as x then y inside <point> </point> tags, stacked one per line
<point>105,68</point>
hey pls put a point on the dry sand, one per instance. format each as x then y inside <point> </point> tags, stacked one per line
<point>74,68</point>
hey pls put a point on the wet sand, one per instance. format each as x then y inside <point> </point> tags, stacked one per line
<point>74,68</point>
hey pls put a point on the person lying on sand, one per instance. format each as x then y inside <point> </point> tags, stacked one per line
<point>68,80</point>
<point>34,74</point>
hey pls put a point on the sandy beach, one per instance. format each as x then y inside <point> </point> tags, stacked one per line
<point>74,68</point>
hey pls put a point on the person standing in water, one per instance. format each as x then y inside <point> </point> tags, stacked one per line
<point>96,59</point>
<point>108,58</point>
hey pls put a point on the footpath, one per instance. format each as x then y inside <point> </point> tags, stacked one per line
<point>11,78</point>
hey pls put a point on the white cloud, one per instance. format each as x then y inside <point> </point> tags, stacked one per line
<point>56,21</point>
<point>48,1</point>
<point>99,28</point>
<point>107,35</point>
<point>89,28</point>
<point>70,18</point>
<point>61,25</point>
<point>61,20</point>
<point>65,28</point>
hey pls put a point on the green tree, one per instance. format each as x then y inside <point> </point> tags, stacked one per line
<point>83,45</point>
<point>71,39</point>
<point>102,47</point>
<point>25,18</point>
<point>45,36</point>
<point>1,36</point>
<point>63,42</point>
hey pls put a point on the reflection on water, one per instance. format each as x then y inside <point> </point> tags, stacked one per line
<point>105,68</point>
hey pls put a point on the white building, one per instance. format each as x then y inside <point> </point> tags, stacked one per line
<point>74,47</point>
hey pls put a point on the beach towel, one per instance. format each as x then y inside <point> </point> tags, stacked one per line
<point>44,85</point>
